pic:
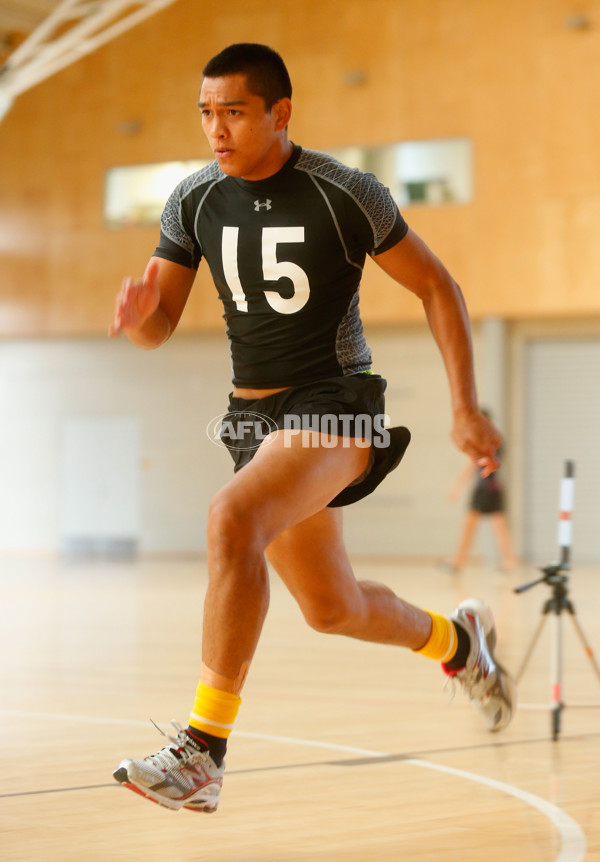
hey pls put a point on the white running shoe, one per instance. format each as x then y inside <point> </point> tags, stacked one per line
<point>180,775</point>
<point>483,678</point>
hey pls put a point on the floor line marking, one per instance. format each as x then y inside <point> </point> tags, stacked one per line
<point>350,749</point>
<point>573,840</point>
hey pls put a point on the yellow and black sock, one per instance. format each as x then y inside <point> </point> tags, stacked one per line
<point>211,720</point>
<point>448,642</point>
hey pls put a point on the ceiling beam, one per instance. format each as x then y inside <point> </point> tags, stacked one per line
<point>74,29</point>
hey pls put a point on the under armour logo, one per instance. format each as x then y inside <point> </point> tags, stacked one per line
<point>266,204</point>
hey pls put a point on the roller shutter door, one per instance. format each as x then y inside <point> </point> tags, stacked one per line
<point>562,422</point>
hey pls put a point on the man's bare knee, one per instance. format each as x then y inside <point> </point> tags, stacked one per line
<point>331,620</point>
<point>232,532</point>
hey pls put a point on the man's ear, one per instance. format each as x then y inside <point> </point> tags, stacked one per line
<point>282,111</point>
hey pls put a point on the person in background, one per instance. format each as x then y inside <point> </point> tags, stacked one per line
<point>487,499</point>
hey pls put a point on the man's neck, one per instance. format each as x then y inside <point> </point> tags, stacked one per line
<point>277,159</point>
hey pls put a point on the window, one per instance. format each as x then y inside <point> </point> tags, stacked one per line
<point>430,172</point>
<point>136,194</point>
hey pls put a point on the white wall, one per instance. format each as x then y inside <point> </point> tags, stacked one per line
<point>100,486</point>
<point>563,423</point>
<point>173,393</point>
<point>409,513</point>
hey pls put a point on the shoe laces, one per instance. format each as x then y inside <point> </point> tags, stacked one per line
<point>450,686</point>
<point>179,752</point>
<point>474,677</point>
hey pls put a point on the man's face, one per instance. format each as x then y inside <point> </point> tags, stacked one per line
<point>245,138</point>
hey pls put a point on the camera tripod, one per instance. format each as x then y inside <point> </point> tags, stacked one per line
<point>555,576</point>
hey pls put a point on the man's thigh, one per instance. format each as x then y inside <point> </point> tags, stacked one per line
<point>311,559</point>
<point>288,481</point>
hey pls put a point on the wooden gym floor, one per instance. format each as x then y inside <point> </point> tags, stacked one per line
<point>342,750</point>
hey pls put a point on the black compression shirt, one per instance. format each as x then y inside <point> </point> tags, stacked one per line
<point>286,255</point>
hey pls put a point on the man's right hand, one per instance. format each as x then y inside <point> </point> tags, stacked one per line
<point>137,301</point>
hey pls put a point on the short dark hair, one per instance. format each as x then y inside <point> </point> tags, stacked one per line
<point>265,71</point>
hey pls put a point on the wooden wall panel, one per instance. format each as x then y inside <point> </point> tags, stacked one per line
<point>511,75</point>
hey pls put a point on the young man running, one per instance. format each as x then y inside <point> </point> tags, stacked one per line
<point>285,232</point>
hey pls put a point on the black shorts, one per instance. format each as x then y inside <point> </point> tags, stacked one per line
<point>349,406</point>
<point>487,501</point>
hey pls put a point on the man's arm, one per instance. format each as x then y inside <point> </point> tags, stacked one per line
<point>147,310</point>
<point>412,264</point>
